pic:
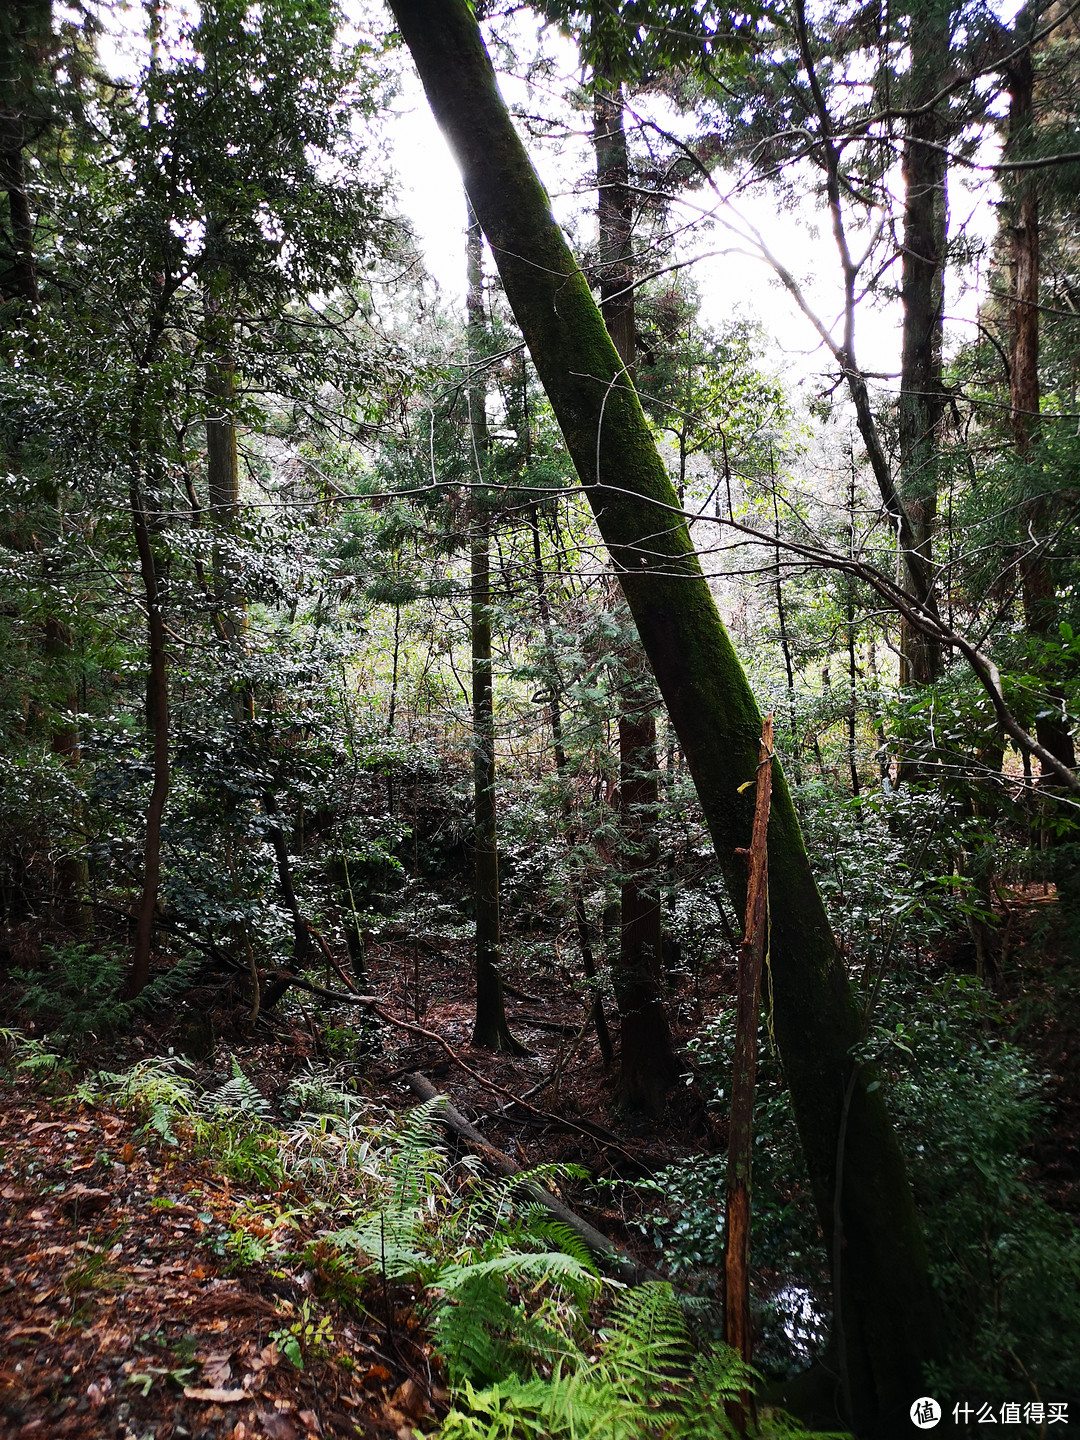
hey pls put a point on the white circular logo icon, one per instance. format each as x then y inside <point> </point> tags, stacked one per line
<point>925,1413</point>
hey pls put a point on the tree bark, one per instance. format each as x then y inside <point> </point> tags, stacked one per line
<point>25,30</point>
<point>615,214</point>
<point>849,618</point>
<point>157,697</point>
<point>922,293</point>
<point>885,1303</point>
<point>562,769</point>
<point>222,455</point>
<point>738,1332</point>
<point>143,522</point>
<point>1037,588</point>
<point>302,946</point>
<point>72,871</point>
<point>781,621</point>
<point>647,1063</point>
<point>490,1029</point>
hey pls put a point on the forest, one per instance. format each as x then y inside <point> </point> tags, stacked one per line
<point>539,811</point>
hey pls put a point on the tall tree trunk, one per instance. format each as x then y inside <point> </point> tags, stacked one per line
<point>738,1332</point>
<point>849,617</point>
<point>647,1063</point>
<point>157,697</point>
<point>222,455</point>
<point>615,214</point>
<point>302,946</point>
<point>1037,588</point>
<point>490,1029</point>
<point>883,1300</point>
<point>562,769</point>
<point>781,621</point>
<point>922,293</point>
<point>25,30</point>
<point>144,521</point>
<point>73,871</point>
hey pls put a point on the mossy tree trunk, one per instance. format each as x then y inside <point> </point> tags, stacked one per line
<point>25,37</point>
<point>490,1028</point>
<point>883,1302</point>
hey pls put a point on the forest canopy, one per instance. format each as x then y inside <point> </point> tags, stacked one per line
<point>635,684</point>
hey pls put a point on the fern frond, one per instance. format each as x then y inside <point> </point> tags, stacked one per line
<point>238,1096</point>
<point>545,1230</point>
<point>159,1088</point>
<point>420,1155</point>
<point>549,1267</point>
<point>568,1405</point>
<point>647,1341</point>
<point>390,1239</point>
<point>470,1330</point>
<point>547,1174</point>
<point>717,1376</point>
<point>29,1055</point>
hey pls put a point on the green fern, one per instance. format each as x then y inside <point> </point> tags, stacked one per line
<point>419,1157</point>
<point>485,1336</point>
<point>646,1380</point>
<point>552,1266</point>
<point>159,1089</point>
<point>473,1331</point>
<point>28,1055</point>
<point>239,1097</point>
<point>647,1341</point>
<point>567,1404</point>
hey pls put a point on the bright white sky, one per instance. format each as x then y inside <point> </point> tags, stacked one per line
<point>729,284</point>
<point>432,197</point>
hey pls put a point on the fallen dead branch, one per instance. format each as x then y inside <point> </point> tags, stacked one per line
<point>369,1002</point>
<point>615,1259</point>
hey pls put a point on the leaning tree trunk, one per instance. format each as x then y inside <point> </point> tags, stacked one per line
<point>490,1028</point>
<point>922,293</point>
<point>647,1063</point>
<point>883,1300</point>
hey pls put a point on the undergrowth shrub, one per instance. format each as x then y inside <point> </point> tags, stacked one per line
<point>77,995</point>
<point>1005,1264</point>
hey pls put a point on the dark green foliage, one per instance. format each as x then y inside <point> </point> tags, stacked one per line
<point>75,995</point>
<point>1006,1266</point>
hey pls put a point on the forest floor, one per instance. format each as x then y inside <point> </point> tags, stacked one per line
<point>124,1311</point>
